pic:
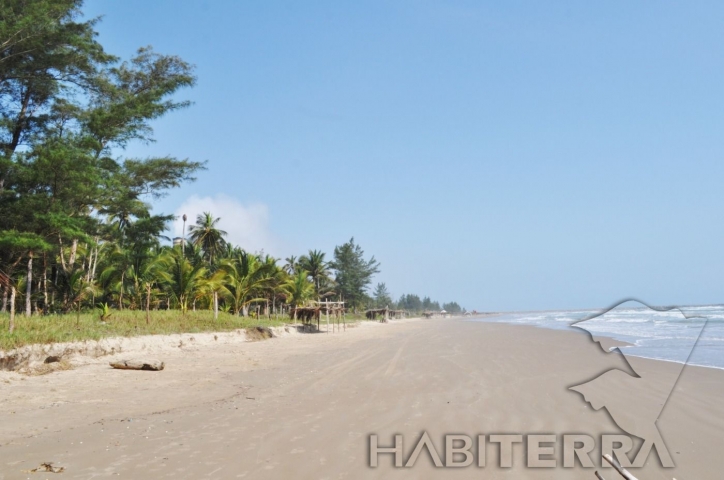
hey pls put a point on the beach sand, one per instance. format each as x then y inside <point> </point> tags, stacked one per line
<point>304,406</point>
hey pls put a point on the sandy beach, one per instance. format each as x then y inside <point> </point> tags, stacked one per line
<point>304,406</point>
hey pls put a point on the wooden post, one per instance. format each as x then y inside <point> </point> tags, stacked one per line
<point>216,305</point>
<point>29,285</point>
<point>326,304</point>
<point>148,303</point>
<point>12,308</point>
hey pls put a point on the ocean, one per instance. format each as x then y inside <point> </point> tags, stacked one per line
<point>690,334</point>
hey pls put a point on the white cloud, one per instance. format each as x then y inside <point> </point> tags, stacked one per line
<point>247,226</point>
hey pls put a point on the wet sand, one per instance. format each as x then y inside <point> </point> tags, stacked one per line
<point>304,406</point>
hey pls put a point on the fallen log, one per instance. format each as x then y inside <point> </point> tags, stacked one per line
<point>152,365</point>
<point>622,471</point>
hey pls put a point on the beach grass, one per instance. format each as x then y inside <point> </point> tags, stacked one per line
<point>127,323</point>
<point>71,327</point>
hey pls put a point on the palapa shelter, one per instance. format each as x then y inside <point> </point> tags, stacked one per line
<point>309,313</point>
<point>384,313</point>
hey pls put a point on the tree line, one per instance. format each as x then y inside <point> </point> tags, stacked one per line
<point>411,303</point>
<point>77,228</point>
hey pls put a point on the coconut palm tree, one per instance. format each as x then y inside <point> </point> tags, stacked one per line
<point>210,288</point>
<point>275,277</point>
<point>210,239</point>
<point>297,289</point>
<point>316,267</point>
<point>244,278</point>
<point>206,235</point>
<point>187,274</point>
<point>118,262</point>
<point>292,264</point>
<point>81,289</point>
<point>152,271</point>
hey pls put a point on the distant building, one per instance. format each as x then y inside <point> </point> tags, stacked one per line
<point>178,241</point>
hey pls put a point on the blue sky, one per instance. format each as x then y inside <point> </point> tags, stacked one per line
<point>516,155</point>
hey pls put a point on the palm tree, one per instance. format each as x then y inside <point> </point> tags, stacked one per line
<point>122,213</point>
<point>229,251</point>
<point>206,235</point>
<point>187,274</point>
<point>152,271</point>
<point>211,286</point>
<point>114,274</point>
<point>244,278</point>
<point>210,239</point>
<point>81,289</point>
<point>315,266</point>
<point>292,264</point>
<point>297,289</point>
<point>275,276</point>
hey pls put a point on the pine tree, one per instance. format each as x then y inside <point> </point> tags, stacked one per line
<point>353,273</point>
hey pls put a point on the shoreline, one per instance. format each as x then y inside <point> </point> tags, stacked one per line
<point>507,312</point>
<point>610,336</point>
<point>686,364</point>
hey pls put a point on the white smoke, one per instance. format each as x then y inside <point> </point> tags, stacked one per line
<point>247,226</point>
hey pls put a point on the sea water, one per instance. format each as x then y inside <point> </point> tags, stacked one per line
<point>658,334</point>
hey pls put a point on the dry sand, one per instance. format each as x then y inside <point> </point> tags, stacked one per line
<point>303,406</point>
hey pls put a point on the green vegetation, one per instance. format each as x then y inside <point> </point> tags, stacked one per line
<point>128,323</point>
<point>414,304</point>
<point>354,273</point>
<point>82,254</point>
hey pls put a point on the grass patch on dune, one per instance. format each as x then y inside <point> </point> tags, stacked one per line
<point>70,327</point>
<point>128,323</point>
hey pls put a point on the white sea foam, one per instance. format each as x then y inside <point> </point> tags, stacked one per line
<point>663,335</point>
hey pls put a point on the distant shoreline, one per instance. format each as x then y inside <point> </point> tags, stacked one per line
<point>641,339</point>
<point>595,309</point>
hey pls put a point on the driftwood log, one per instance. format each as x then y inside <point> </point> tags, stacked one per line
<point>152,365</point>
<point>46,467</point>
<point>622,471</point>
